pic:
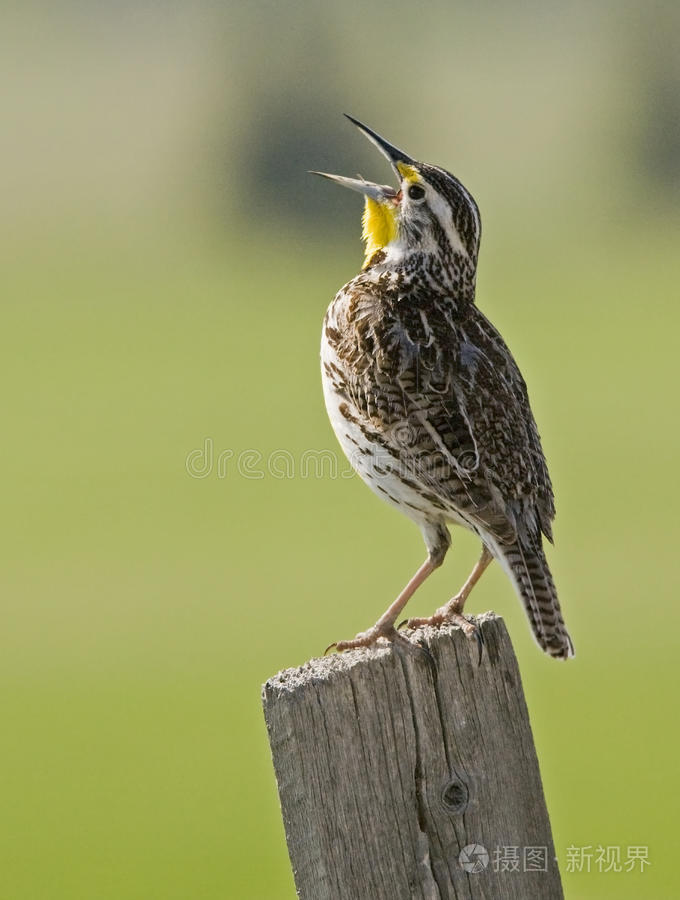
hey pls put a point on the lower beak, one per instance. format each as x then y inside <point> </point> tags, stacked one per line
<point>383,193</point>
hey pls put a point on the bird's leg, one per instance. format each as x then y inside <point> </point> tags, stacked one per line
<point>384,627</point>
<point>453,610</point>
<point>438,542</point>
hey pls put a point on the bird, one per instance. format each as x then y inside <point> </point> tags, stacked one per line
<point>428,403</point>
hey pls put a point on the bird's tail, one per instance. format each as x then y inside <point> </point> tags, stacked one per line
<point>528,568</point>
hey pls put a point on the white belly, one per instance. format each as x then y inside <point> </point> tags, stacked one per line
<point>388,474</point>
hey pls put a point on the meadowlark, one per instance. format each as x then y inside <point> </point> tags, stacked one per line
<point>427,401</point>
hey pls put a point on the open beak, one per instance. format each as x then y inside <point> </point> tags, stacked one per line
<point>382,193</point>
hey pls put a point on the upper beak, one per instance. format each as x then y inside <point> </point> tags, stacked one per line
<point>379,192</point>
<point>394,154</point>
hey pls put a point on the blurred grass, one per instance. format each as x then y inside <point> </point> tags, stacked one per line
<point>144,607</point>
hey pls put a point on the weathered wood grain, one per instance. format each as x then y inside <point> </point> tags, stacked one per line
<point>389,766</point>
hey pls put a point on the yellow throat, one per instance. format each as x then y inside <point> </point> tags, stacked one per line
<point>379,223</point>
<point>379,220</point>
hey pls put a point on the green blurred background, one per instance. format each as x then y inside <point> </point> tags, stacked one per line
<point>166,265</point>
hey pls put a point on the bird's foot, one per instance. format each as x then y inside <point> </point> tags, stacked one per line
<point>450,614</point>
<point>380,632</point>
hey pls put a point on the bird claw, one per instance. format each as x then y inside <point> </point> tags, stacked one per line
<point>391,634</point>
<point>467,625</point>
<point>471,630</point>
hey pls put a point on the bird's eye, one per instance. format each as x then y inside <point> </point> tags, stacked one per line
<point>416,192</point>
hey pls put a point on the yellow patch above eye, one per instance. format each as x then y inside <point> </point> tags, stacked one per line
<point>408,173</point>
<point>379,223</point>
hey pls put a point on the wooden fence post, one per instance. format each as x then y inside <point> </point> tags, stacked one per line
<point>400,778</point>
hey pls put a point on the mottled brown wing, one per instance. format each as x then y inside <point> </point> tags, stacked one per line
<point>495,392</point>
<point>448,397</point>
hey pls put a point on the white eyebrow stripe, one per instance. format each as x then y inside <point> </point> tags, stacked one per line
<point>468,197</point>
<point>442,210</point>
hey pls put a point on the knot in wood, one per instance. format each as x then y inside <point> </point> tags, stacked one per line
<point>455,796</point>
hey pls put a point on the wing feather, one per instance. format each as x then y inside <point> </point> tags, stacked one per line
<point>446,394</point>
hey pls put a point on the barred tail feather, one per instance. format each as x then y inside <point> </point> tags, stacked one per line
<point>528,568</point>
